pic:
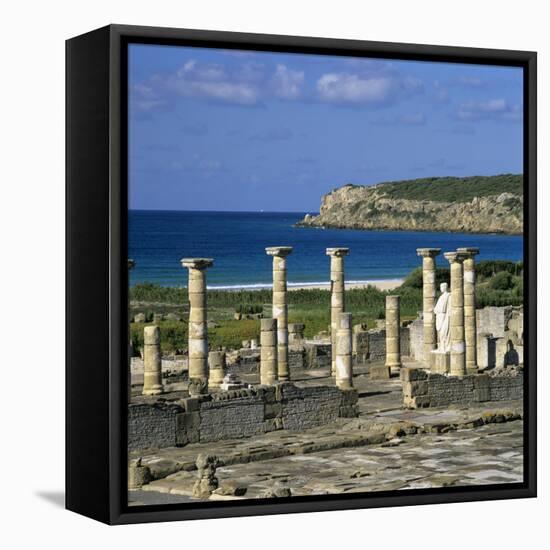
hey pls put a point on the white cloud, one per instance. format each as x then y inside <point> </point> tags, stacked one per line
<point>287,83</point>
<point>350,88</point>
<point>367,89</point>
<point>210,81</point>
<point>492,109</point>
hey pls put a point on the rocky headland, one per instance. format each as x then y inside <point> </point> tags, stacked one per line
<point>480,204</point>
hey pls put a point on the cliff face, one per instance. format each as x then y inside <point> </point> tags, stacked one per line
<point>362,207</point>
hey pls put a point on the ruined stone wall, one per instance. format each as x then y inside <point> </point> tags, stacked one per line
<point>153,425</point>
<point>236,414</point>
<point>422,389</point>
<point>416,338</point>
<point>248,361</point>
<point>232,418</point>
<point>303,408</point>
<point>377,345</point>
<point>493,320</point>
<point>317,355</point>
<point>405,341</point>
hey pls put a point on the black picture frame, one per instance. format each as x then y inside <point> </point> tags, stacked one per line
<point>97,277</point>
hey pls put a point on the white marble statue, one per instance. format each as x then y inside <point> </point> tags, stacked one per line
<point>442,311</point>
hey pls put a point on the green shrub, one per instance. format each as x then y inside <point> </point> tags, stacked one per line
<point>249,309</point>
<point>501,281</point>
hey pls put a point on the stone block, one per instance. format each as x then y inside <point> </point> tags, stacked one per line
<point>417,387</point>
<point>379,372</point>
<point>408,374</point>
<point>272,410</point>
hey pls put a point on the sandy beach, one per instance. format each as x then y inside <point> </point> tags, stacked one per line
<point>388,284</point>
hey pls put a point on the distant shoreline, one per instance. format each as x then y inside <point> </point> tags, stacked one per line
<point>380,284</point>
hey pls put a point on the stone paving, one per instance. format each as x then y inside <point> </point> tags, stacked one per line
<point>490,454</point>
<point>385,448</point>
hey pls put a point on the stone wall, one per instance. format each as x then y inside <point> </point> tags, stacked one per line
<point>247,361</point>
<point>493,320</point>
<point>153,425</point>
<point>422,389</point>
<point>236,414</point>
<point>416,339</point>
<point>317,355</point>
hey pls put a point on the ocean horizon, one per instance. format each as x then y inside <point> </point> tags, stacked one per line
<point>158,239</point>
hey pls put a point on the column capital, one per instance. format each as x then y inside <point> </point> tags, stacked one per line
<point>197,263</point>
<point>338,252</point>
<point>428,252</point>
<point>453,257</point>
<point>280,251</point>
<point>468,251</point>
<point>131,263</point>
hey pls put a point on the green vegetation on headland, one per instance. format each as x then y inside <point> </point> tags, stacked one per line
<point>452,189</point>
<point>477,204</point>
<point>499,283</point>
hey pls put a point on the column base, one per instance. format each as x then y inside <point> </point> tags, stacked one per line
<point>197,386</point>
<point>440,361</point>
<point>153,391</point>
<point>344,384</point>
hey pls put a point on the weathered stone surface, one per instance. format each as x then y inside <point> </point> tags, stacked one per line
<point>138,474</point>
<point>428,300</point>
<point>277,491</point>
<point>152,425</point>
<point>231,488</point>
<point>280,307</point>
<point>371,207</point>
<point>379,372</point>
<point>198,332</point>
<point>207,481</point>
<point>236,414</point>
<point>436,390</point>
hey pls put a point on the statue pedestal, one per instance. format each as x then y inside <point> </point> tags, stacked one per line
<point>440,361</point>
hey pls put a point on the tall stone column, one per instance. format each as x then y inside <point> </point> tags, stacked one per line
<point>393,335</point>
<point>337,295</point>
<point>152,363</point>
<point>216,369</point>
<point>268,352</point>
<point>280,307</point>
<point>428,299</point>
<point>131,265</point>
<point>470,328</point>
<point>458,357</point>
<point>198,329</point>
<point>344,369</point>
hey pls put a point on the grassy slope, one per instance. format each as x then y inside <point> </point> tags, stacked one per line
<point>453,189</point>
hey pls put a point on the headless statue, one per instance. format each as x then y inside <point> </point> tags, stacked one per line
<point>442,311</point>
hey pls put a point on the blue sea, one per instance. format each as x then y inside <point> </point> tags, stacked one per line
<point>237,240</point>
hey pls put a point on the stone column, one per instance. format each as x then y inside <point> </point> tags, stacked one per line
<point>268,352</point>
<point>131,265</point>
<point>152,364</point>
<point>458,358</point>
<point>428,299</point>
<point>470,328</point>
<point>344,371</point>
<point>216,369</point>
<point>280,306</point>
<point>198,330</point>
<point>393,335</point>
<point>337,296</point>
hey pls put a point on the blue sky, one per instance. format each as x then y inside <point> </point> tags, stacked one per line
<point>214,129</point>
